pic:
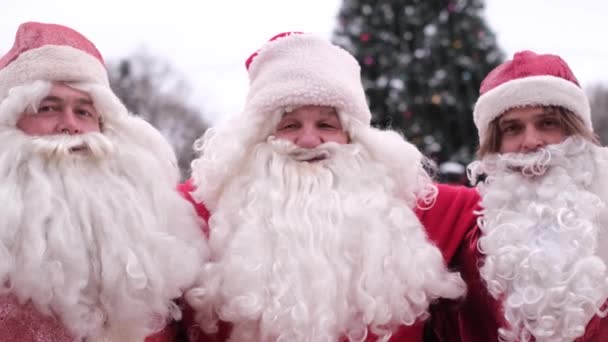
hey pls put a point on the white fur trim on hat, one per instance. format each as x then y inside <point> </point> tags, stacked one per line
<point>530,91</point>
<point>303,69</point>
<point>52,63</point>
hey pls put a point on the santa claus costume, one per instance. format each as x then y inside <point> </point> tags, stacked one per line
<point>313,251</point>
<point>95,242</point>
<point>536,267</point>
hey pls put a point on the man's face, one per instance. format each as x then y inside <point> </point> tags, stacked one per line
<point>311,126</point>
<point>64,110</point>
<point>525,130</point>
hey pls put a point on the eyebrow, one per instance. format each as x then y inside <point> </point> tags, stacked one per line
<point>551,110</point>
<point>80,100</point>
<point>543,114</point>
<point>502,122</point>
<point>52,98</point>
<point>324,116</point>
<point>332,115</point>
<point>330,112</point>
<point>553,114</point>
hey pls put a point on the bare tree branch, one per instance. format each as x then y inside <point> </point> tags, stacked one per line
<point>149,87</point>
<point>598,97</point>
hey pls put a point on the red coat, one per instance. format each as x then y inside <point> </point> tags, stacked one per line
<point>446,222</point>
<point>478,317</point>
<point>24,323</point>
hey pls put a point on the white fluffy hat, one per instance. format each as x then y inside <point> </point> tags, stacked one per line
<point>295,69</point>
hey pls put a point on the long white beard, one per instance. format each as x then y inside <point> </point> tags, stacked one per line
<point>97,236</point>
<point>541,230</point>
<point>316,251</point>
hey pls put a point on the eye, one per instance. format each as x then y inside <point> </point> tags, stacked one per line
<point>83,112</point>
<point>328,125</point>
<point>47,108</point>
<point>509,129</point>
<point>550,123</point>
<point>287,126</point>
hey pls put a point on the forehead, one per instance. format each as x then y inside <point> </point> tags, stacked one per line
<point>526,113</point>
<point>311,111</point>
<point>63,91</point>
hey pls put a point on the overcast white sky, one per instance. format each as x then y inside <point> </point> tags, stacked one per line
<point>208,40</point>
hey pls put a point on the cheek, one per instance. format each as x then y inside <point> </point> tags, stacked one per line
<point>556,137</point>
<point>337,137</point>
<point>508,144</point>
<point>291,136</point>
<point>35,125</point>
<point>90,126</point>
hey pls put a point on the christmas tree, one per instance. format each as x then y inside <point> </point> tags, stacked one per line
<point>422,62</point>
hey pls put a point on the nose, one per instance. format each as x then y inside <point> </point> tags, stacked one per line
<point>309,137</point>
<point>532,141</point>
<point>67,123</point>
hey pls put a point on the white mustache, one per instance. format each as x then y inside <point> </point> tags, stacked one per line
<point>93,144</point>
<point>310,154</point>
<point>319,153</point>
<point>529,164</point>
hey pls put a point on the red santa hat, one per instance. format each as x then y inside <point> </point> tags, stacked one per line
<point>55,53</point>
<point>52,53</point>
<point>529,79</point>
<point>294,69</point>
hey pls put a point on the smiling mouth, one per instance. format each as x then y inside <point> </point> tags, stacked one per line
<point>310,156</point>
<point>315,159</point>
<point>79,148</point>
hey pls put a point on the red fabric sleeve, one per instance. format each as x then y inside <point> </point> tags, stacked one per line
<point>185,189</point>
<point>411,333</point>
<point>452,224</point>
<point>192,332</point>
<point>477,317</point>
<point>168,334</point>
<point>450,218</point>
<point>189,329</point>
<point>597,330</point>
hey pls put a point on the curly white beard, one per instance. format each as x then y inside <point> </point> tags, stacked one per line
<point>313,251</point>
<point>94,232</point>
<point>541,231</point>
